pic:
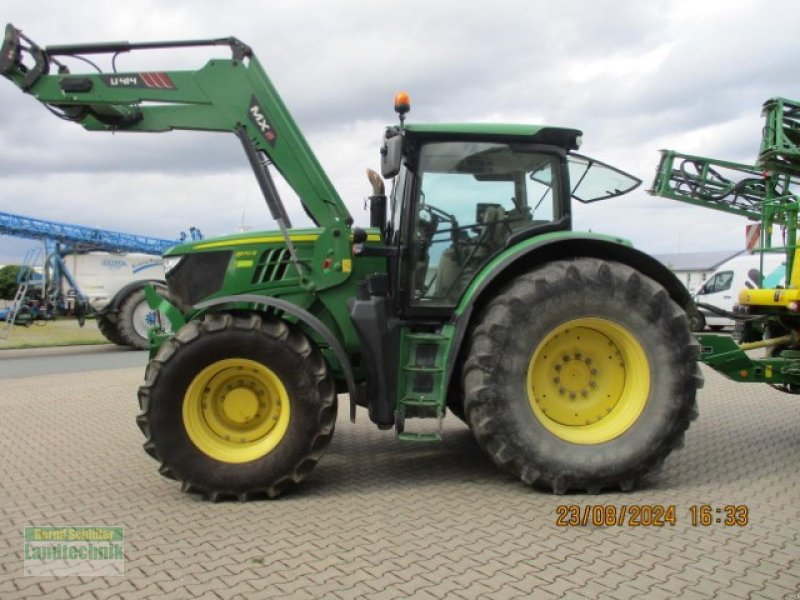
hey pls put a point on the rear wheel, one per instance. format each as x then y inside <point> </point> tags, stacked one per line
<point>136,317</point>
<point>581,375</point>
<point>237,407</point>
<point>109,330</point>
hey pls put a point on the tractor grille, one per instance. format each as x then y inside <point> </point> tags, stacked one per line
<point>272,265</point>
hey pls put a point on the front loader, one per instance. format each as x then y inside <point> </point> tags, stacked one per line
<point>568,354</point>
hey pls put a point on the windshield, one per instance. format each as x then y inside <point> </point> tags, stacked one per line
<point>593,180</point>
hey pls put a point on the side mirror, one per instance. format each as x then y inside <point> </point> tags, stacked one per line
<point>391,154</point>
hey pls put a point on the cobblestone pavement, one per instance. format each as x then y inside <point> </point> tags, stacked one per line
<point>383,519</point>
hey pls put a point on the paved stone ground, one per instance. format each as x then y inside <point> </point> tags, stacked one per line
<point>383,519</point>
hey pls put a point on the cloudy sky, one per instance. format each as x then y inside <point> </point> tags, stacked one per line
<point>634,76</point>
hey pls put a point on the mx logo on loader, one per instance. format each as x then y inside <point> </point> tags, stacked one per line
<point>259,117</point>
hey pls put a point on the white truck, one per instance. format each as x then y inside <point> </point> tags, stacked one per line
<point>113,285</point>
<point>87,270</point>
<point>721,289</point>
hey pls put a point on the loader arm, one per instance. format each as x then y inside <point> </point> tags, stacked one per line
<point>231,95</point>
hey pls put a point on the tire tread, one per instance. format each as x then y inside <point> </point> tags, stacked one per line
<point>214,324</point>
<point>500,316</point>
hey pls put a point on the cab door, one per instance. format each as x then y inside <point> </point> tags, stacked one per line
<point>468,198</point>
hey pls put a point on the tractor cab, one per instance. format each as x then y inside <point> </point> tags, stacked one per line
<point>464,193</point>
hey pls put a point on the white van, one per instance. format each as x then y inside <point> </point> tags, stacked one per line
<point>722,288</point>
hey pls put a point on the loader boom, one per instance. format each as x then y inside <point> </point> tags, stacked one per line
<point>231,95</point>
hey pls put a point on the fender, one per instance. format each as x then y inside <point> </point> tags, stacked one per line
<point>547,248</point>
<point>308,319</point>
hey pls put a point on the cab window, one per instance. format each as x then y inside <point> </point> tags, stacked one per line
<point>470,197</point>
<point>720,282</point>
<point>592,180</point>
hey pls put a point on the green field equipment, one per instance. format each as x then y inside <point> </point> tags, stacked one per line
<point>767,317</point>
<point>568,354</point>
<point>780,144</point>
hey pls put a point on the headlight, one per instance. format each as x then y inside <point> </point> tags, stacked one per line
<point>170,262</point>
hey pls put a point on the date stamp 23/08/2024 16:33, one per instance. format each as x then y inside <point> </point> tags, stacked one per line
<point>650,515</point>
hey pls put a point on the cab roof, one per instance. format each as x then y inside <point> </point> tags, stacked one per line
<point>539,134</point>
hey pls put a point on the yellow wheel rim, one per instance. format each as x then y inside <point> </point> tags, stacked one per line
<point>236,410</point>
<point>588,381</point>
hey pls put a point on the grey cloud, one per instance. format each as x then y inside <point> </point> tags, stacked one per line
<point>339,64</point>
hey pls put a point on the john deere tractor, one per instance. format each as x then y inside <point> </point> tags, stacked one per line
<point>569,355</point>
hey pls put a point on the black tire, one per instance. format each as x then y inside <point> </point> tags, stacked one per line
<point>519,323</point>
<point>131,327</point>
<point>199,345</point>
<point>697,322</point>
<point>109,330</point>
<point>24,317</point>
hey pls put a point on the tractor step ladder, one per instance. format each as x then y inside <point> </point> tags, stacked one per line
<point>26,271</point>
<point>421,393</point>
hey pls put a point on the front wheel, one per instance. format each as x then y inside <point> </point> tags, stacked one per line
<point>581,375</point>
<point>237,407</point>
<point>24,316</point>
<point>697,322</point>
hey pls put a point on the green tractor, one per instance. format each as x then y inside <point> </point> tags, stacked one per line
<point>569,355</point>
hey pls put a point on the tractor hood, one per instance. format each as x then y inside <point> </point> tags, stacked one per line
<point>240,240</point>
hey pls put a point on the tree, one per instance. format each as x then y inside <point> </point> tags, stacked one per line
<point>8,281</point>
